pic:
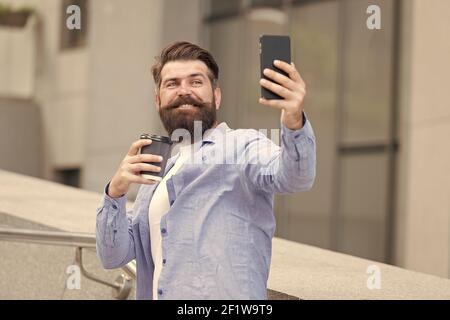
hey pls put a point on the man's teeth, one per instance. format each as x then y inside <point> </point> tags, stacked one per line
<point>185,106</point>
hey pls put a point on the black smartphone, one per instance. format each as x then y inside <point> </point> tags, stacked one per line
<point>272,48</point>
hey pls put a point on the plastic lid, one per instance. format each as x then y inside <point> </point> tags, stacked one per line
<point>156,138</point>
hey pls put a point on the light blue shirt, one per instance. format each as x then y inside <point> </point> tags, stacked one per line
<point>217,234</point>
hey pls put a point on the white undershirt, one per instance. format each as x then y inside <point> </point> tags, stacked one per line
<point>159,206</point>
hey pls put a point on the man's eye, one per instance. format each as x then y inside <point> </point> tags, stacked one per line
<point>197,82</point>
<point>170,84</point>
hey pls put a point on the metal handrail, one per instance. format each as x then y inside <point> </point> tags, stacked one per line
<point>71,239</point>
<point>123,284</point>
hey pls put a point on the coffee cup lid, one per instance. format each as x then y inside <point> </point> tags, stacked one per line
<point>156,137</point>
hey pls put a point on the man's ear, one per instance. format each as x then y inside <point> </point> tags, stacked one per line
<point>218,97</point>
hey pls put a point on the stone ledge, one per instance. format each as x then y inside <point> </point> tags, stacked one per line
<point>297,270</point>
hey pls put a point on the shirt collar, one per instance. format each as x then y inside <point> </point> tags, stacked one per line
<point>210,136</point>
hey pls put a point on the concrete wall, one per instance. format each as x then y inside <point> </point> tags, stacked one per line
<point>18,60</point>
<point>60,88</point>
<point>424,216</point>
<point>20,136</point>
<point>95,100</point>
<point>123,41</point>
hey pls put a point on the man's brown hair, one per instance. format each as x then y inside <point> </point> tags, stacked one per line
<point>185,51</point>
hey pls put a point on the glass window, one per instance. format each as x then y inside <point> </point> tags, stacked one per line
<point>367,77</point>
<point>363,205</point>
<point>314,36</point>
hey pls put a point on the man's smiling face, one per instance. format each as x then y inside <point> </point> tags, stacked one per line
<point>186,95</point>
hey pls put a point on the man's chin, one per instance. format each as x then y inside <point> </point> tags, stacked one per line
<point>185,117</point>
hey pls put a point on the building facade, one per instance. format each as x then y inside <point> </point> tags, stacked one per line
<point>376,99</point>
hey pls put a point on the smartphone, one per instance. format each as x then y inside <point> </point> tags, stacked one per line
<point>272,48</point>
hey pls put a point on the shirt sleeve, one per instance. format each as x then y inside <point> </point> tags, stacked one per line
<point>114,233</point>
<point>284,169</point>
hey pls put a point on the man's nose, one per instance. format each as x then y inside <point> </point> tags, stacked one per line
<point>184,89</point>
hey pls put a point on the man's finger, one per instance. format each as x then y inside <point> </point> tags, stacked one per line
<point>290,70</point>
<point>139,179</point>
<point>277,103</point>
<point>134,149</point>
<point>137,167</point>
<point>276,88</point>
<point>280,78</point>
<point>140,158</point>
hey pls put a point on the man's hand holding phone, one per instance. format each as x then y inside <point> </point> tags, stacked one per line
<point>291,88</point>
<point>130,169</point>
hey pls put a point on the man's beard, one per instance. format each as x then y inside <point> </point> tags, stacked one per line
<point>174,118</point>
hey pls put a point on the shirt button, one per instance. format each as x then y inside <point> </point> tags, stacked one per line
<point>164,261</point>
<point>160,292</point>
<point>114,207</point>
<point>163,231</point>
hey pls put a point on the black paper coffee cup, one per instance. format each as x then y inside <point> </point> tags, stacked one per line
<point>160,146</point>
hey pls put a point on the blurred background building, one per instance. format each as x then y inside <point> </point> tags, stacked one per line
<point>72,101</point>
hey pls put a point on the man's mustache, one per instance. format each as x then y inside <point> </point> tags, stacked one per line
<point>186,100</point>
